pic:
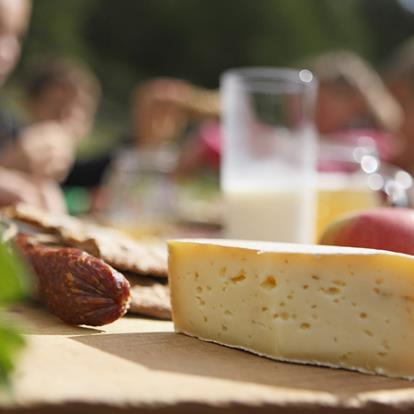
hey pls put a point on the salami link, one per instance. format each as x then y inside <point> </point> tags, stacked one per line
<point>75,286</point>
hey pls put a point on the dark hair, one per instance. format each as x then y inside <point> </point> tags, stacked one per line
<point>61,72</point>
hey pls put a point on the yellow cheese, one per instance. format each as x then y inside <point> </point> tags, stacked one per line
<point>332,306</point>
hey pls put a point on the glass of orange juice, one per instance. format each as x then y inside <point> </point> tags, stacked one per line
<point>357,180</point>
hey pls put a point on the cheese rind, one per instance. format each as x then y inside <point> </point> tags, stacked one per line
<point>333,306</point>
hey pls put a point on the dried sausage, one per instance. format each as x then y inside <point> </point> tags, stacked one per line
<point>75,286</point>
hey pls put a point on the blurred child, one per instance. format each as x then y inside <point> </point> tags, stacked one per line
<point>17,186</point>
<point>399,76</point>
<point>163,108</point>
<point>64,92</point>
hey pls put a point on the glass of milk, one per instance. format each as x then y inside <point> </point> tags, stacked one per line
<point>268,157</point>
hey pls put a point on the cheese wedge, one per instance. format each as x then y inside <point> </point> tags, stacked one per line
<point>334,306</point>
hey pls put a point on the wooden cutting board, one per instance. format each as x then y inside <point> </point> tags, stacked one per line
<point>141,365</point>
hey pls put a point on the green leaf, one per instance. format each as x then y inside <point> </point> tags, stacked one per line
<point>13,286</point>
<point>10,344</point>
<point>13,276</point>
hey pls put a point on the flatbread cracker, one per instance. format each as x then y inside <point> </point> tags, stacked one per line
<point>48,222</point>
<point>149,297</point>
<point>121,252</point>
<point>146,257</point>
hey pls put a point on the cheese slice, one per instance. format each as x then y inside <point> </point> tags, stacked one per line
<point>334,306</point>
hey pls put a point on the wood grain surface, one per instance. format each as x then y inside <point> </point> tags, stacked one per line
<point>140,365</point>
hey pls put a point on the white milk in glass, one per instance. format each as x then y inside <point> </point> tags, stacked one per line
<point>268,157</point>
<point>266,216</point>
<point>280,208</point>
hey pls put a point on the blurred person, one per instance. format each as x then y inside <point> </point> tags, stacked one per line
<point>14,20</point>
<point>162,108</point>
<point>161,111</point>
<point>65,92</point>
<point>353,105</point>
<point>165,108</point>
<point>17,186</point>
<point>61,104</point>
<point>352,102</point>
<point>399,75</point>
<point>351,95</point>
<point>157,112</point>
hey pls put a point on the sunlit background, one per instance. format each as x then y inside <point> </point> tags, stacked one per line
<point>128,41</point>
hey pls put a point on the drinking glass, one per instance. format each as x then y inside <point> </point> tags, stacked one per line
<point>269,150</point>
<point>352,177</point>
<point>140,191</point>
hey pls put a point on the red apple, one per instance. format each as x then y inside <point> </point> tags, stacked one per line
<point>380,228</point>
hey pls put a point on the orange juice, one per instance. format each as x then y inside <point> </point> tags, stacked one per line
<point>339,194</point>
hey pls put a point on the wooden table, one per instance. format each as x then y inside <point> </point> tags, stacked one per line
<point>141,365</point>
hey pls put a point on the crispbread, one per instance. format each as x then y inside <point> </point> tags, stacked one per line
<point>147,257</point>
<point>149,297</point>
<point>41,219</point>
<point>123,253</point>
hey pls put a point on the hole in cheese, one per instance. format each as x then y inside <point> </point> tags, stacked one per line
<point>269,283</point>
<point>239,277</point>
<point>200,300</point>
<point>331,290</point>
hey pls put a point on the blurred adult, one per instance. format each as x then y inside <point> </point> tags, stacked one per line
<point>351,95</point>
<point>15,185</point>
<point>353,102</point>
<point>399,75</point>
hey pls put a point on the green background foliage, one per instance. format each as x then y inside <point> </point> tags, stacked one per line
<point>127,41</point>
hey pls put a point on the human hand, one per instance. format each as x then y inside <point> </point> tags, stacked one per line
<point>45,149</point>
<point>16,187</point>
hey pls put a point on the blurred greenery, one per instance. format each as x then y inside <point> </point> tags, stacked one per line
<point>13,280</point>
<point>11,342</point>
<point>128,41</point>
<point>13,286</point>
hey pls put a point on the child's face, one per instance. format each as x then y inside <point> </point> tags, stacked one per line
<point>335,109</point>
<point>14,18</point>
<point>72,107</point>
